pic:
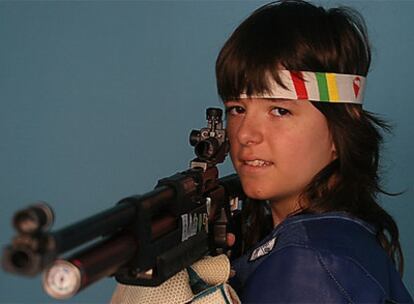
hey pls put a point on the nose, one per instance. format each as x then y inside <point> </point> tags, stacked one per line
<point>250,131</point>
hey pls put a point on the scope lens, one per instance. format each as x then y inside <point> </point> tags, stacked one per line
<point>206,149</point>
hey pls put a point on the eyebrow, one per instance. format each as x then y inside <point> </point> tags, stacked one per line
<point>292,102</point>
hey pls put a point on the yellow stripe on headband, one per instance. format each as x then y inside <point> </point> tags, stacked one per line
<point>332,88</point>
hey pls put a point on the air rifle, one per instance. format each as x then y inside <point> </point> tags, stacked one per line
<point>142,240</point>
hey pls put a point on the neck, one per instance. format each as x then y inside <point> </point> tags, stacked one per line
<point>281,209</point>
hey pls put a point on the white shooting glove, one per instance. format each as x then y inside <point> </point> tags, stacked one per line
<point>204,282</point>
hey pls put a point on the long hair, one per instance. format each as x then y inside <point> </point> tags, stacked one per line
<point>298,36</point>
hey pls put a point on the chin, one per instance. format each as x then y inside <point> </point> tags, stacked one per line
<point>255,192</point>
<point>259,187</point>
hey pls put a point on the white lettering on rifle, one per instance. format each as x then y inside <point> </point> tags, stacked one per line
<point>192,223</point>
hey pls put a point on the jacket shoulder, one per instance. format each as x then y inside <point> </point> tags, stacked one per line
<point>340,251</point>
<point>298,273</point>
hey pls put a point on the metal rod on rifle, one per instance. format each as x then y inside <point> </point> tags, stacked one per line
<point>106,222</point>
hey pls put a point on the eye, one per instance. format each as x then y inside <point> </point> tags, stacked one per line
<point>234,110</point>
<point>280,112</point>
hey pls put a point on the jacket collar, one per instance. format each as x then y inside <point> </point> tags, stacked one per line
<point>340,215</point>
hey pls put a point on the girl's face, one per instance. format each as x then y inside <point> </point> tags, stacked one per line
<point>277,146</point>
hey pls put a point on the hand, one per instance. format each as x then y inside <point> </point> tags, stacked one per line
<point>208,275</point>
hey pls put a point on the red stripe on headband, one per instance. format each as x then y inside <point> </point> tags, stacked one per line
<point>299,84</point>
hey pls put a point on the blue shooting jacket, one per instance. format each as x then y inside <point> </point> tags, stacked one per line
<point>323,258</point>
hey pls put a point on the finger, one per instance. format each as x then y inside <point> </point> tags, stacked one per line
<point>230,239</point>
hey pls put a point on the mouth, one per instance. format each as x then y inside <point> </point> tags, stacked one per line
<point>257,163</point>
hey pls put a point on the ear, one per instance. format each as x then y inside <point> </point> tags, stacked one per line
<point>334,153</point>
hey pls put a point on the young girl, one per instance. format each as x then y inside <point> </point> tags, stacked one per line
<point>292,78</point>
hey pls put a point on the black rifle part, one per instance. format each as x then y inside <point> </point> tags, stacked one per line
<point>144,239</point>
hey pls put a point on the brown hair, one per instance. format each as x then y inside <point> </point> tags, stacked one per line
<point>299,36</point>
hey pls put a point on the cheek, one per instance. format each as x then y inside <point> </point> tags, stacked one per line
<point>231,128</point>
<point>231,134</point>
<point>310,151</point>
<point>233,157</point>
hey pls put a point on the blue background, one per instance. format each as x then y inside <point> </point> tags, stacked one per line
<point>98,98</point>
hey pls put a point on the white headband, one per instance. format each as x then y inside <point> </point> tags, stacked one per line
<point>316,86</point>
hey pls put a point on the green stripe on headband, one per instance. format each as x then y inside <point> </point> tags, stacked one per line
<point>322,86</point>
